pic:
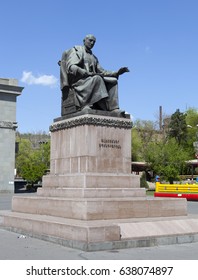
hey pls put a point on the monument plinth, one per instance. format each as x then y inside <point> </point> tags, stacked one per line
<point>91,151</point>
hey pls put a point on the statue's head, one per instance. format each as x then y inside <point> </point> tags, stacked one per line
<point>89,41</point>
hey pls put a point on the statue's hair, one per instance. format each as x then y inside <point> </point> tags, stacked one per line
<point>88,36</point>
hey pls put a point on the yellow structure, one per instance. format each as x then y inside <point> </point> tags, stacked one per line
<point>176,188</point>
<point>188,191</point>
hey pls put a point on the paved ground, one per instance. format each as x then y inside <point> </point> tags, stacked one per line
<point>14,246</point>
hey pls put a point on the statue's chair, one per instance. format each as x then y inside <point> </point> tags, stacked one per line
<point>67,101</point>
<point>68,94</point>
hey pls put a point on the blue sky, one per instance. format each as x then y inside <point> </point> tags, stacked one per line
<point>156,39</point>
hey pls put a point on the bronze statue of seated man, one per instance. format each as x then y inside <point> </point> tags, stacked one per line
<point>94,87</point>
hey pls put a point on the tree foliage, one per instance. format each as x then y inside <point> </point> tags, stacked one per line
<point>167,159</point>
<point>136,147</point>
<point>31,162</point>
<point>178,127</point>
<point>192,117</point>
<point>166,150</point>
<point>192,130</point>
<point>143,132</point>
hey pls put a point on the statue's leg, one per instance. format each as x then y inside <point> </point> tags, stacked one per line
<point>101,105</point>
<point>112,88</point>
<point>90,91</point>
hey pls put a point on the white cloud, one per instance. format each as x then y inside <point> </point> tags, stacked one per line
<point>45,80</point>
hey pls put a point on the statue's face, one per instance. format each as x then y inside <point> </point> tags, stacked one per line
<point>89,42</point>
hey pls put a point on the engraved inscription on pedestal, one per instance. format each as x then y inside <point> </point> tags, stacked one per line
<point>109,143</point>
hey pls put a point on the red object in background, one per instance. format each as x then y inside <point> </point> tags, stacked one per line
<point>188,196</point>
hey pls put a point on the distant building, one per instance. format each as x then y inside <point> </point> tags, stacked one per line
<point>9,90</point>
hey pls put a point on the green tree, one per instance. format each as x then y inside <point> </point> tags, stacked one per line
<point>166,159</point>
<point>143,132</point>
<point>192,130</point>
<point>31,163</point>
<point>192,117</point>
<point>178,127</point>
<point>136,149</point>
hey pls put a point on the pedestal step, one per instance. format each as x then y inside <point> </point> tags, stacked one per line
<point>92,192</point>
<point>91,180</point>
<point>100,208</point>
<point>67,229</point>
<point>106,234</point>
<point>161,227</point>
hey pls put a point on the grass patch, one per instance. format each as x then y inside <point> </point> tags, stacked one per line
<point>150,193</point>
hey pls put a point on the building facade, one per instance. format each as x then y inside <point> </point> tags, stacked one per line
<point>9,90</point>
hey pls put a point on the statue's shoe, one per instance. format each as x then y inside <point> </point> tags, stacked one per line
<point>120,113</point>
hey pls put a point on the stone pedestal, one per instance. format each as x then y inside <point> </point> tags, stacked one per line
<point>90,199</point>
<point>91,144</point>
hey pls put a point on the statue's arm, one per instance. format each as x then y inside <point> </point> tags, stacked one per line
<point>106,73</point>
<point>123,70</point>
<point>77,71</point>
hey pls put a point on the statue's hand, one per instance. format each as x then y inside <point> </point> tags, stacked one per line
<point>88,74</point>
<point>91,74</point>
<point>122,70</point>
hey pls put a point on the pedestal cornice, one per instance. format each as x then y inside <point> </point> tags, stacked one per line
<point>91,120</point>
